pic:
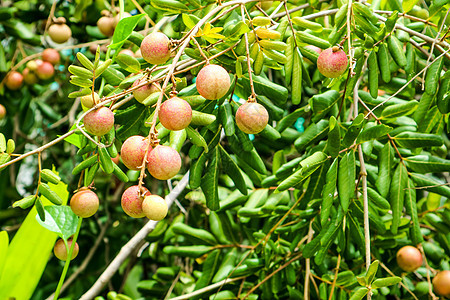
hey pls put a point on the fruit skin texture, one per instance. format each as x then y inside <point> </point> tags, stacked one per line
<point>51,55</point>
<point>106,25</point>
<point>84,203</point>
<point>164,162</point>
<point>59,33</point>
<point>252,117</point>
<point>441,283</point>
<point>133,151</point>
<point>132,203</point>
<point>154,207</point>
<point>409,258</point>
<point>87,101</point>
<point>99,122</point>
<point>14,81</point>
<point>29,76</point>
<point>61,252</point>
<point>45,70</point>
<point>143,92</point>
<point>2,112</point>
<point>332,62</point>
<point>213,82</point>
<point>175,114</point>
<point>155,48</point>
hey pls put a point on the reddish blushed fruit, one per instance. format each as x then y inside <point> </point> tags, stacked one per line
<point>332,62</point>
<point>143,92</point>
<point>51,55</point>
<point>84,203</point>
<point>175,114</point>
<point>61,252</point>
<point>409,258</point>
<point>88,101</point>
<point>154,207</point>
<point>99,122</point>
<point>164,162</point>
<point>2,112</point>
<point>33,64</point>
<point>133,151</point>
<point>252,117</point>
<point>60,32</point>
<point>131,201</point>
<point>155,48</point>
<point>106,25</point>
<point>441,283</point>
<point>29,76</point>
<point>45,70</point>
<point>14,81</point>
<point>213,82</point>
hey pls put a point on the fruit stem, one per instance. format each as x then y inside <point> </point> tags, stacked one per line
<point>67,263</point>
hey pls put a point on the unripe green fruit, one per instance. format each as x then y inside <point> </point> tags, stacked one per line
<point>154,207</point>
<point>99,122</point>
<point>409,258</point>
<point>84,203</point>
<point>143,92</point>
<point>252,117</point>
<point>61,251</point>
<point>59,33</point>
<point>2,112</point>
<point>175,114</point>
<point>164,162</point>
<point>132,203</point>
<point>88,101</point>
<point>51,55</point>
<point>213,82</point>
<point>29,76</point>
<point>441,283</point>
<point>133,151</point>
<point>332,62</point>
<point>45,70</point>
<point>106,25</point>
<point>155,48</point>
<point>14,81</point>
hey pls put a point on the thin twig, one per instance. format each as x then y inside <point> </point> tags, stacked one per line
<point>208,288</point>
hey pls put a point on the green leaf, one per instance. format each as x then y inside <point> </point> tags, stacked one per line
<point>195,234</point>
<point>312,134</point>
<point>417,140</point>
<point>210,181</point>
<point>431,184</point>
<point>128,63</point>
<point>123,30</point>
<point>359,294</point>
<point>132,125</point>
<point>398,110</point>
<point>196,138</point>
<point>411,209</point>
<point>232,169</point>
<point>353,131</point>
<point>397,195</point>
<point>328,192</point>
<point>210,266</point>
<point>190,20</point>
<point>265,87</point>
<point>334,138</point>
<point>105,160</point>
<point>372,132</point>
<point>296,94</point>
<point>408,5</point>
<point>113,76</point>
<point>346,179</point>
<point>187,251</point>
<point>60,220</point>
<point>172,6</point>
<point>27,254</point>
<point>288,66</point>
<point>382,282</point>
<point>321,104</point>
<point>51,195</point>
<point>373,268</point>
<point>385,163</point>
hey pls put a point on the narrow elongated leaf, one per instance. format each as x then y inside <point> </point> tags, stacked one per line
<point>385,163</point>
<point>128,63</point>
<point>210,182</point>
<point>334,138</point>
<point>321,104</point>
<point>296,95</point>
<point>123,30</point>
<point>427,164</point>
<point>382,282</point>
<point>328,192</point>
<point>373,132</point>
<point>200,235</point>
<point>359,294</point>
<point>346,179</point>
<point>231,168</point>
<point>431,184</point>
<point>372,271</point>
<point>210,266</point>
<point>398,110</point>
<point>196,138</point>
<point>411,209</point>
<point>397,195</point>
<point>313,133</point>
<point>353,131</point>
<point>288,66</point>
